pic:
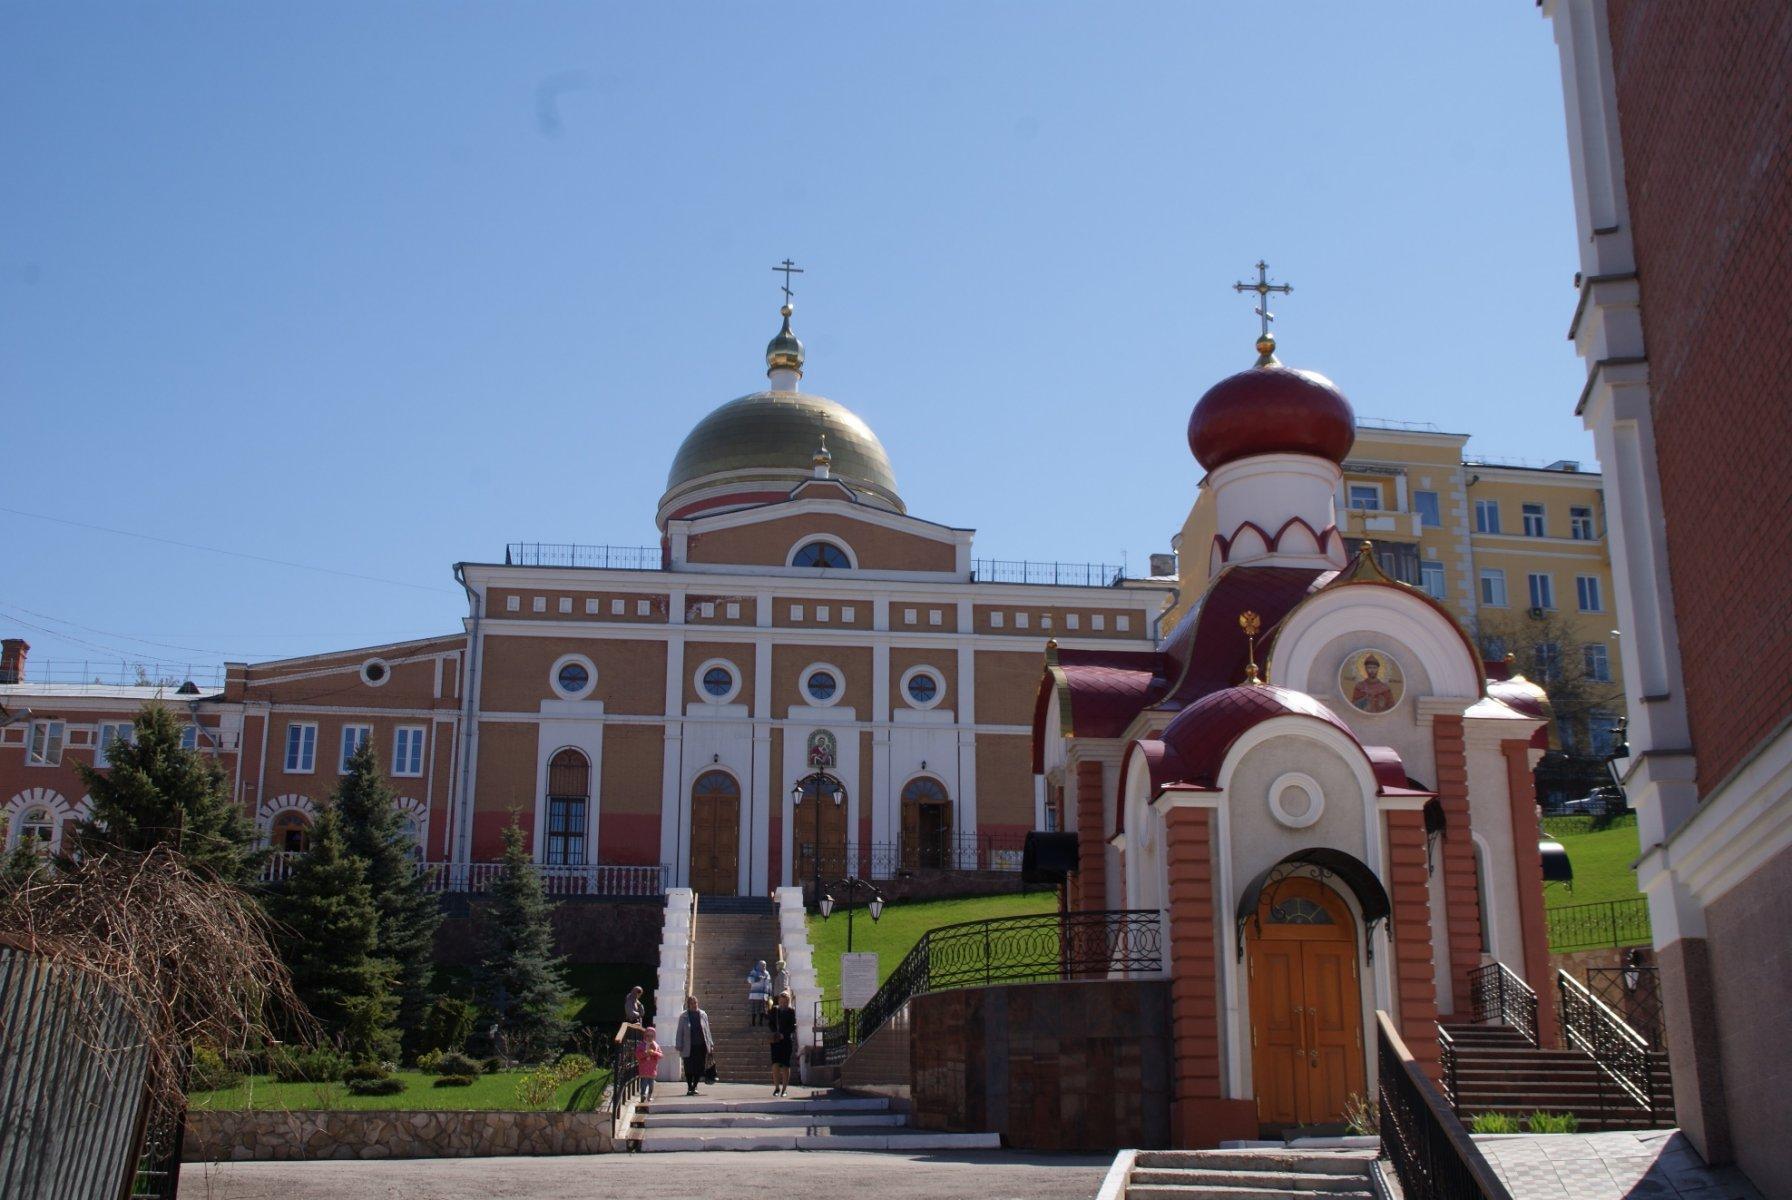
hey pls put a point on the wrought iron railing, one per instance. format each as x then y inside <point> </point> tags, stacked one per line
<point>557,879</point>
<point>887,860</point>
<point>625,1076</point>
<point>1503,998</point>
<point>1607,923</point>
<point>1016,950</point>
<point>1620,1052</point>
<point>1068,574</point>
<point>1634,993</point>
<point>571,554</point>
<point>1446,1058</point>
<point>1430,1150</point>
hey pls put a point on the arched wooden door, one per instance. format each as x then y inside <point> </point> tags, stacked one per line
<point>828,795</point>
<point>715,834</point>
<point>926,824</point>
<point>1306,1004</point>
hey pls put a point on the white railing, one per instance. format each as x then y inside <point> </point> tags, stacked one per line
<point>557,879</point>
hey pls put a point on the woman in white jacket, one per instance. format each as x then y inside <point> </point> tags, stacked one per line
<point>693,1043</point>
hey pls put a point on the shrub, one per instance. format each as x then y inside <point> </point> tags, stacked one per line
<point>453,1081</point>
<point>455,1064</point>
<point>385,1085</point>
<point>305,1066</point>
<point>1493,1123</point>
<point>570,1066</point>
<point>429,1062</point>
<point>493,1065</point>
<point>210,1073</point>
<point>1542,1122</point>
<point>449,1023</point>
<point>537,1088</point>
<point>1361,1114</point>
<point>365,1072</point>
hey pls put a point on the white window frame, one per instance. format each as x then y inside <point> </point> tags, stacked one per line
<point>1355,493</point>
<point>416,738</point>
<point>939,686</point>
<point>592,606</point>
<point>348,751</point>
<point>1588,587</point>
<point>703,692</point>
<point>566,660</point>
<point>996,619</point>
<point>848,614</point>
<point>821,614</point>
<point>1098,622</point>
<point>301,748</point>
<point>513,604</point>
<point>618,607</point>
<point>1020,620</point>
<point>1596,659</point>
<point>1549,666</point>
<point>852,560</point>
<point>935,617</point>
<point>539,604</point>
<point>643,608</point>
<point>733,610</point>
<point>1428,569</point>
<point>1580,523</point>
<point>45,743</point>
<point>1541,587</point>
<point>1496,577</point>
<point>1437,509</point>
<point>910,616</point>
<point>122,731</point>
<point>564,604</point>
<point>796,612</point>
<point>1487,516</point>
<point>1530,511</point>
<point>813,669</point>
<point>1072,621</point>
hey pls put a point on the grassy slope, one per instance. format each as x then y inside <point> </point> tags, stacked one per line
<point>903,924</point>
<point>1601,867</point>
<point>487,1092</point>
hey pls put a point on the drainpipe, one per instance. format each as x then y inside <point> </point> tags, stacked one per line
<point>462,848</point>
<point>1157,622</point>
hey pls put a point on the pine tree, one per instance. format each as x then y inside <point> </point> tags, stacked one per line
<point>329,930</point>
<point>373,831</point>
<point>520,983</point>
<point>156,793</point>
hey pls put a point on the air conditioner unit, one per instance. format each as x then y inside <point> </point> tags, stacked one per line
<point>1536,614</point>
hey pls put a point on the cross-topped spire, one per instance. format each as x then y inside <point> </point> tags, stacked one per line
<point>1266,342</point>
<point>788,268</point>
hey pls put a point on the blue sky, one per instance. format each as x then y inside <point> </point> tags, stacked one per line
<point>381,287</point>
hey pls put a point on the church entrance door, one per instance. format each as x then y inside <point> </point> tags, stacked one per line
<point>715,834</point>
<point>1306,1004</point>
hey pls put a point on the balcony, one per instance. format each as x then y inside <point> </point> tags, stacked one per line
<point>1054,574</point>
<point>557,879</point>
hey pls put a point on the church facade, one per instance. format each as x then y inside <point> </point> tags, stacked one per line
<point>1314,778</point>
<point>800,663</point>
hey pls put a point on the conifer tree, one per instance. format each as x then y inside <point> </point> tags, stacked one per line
<point>157,793</point>
<point>521,988</point>
<point>328,935</point>
<point>373,831</point>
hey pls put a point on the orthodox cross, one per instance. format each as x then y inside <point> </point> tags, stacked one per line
<point>1250,623</point>
<point>788,268</point>
<point>1263,287</point>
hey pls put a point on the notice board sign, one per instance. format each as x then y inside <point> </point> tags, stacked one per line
<point>858,979</point>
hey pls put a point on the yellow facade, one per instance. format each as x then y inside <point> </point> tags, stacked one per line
<point>1486,538</point>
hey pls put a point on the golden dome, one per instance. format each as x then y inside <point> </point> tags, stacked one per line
<point>785,351</point>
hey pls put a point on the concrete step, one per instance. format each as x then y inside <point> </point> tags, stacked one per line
<point>775,1121</point>
<point>821,1104</point>
<point>904,1140</point>
<point>1305,1183</point>
<point>1294,1161</point>
<point>1212,1191</point>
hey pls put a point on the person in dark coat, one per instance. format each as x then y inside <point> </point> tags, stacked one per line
<point>783,1023</point>
<point>693,1042</point>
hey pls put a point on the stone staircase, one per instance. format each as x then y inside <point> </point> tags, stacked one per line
<point>748,1117</point>
<point>1498,1071</point>
<point>1246,1175</point>
<point>732,934</point>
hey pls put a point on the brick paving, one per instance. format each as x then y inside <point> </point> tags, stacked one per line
<point>1655,1164</point>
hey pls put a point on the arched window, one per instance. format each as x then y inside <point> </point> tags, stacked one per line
<point>569,798</point>
<point>822,555</point>
<point>926,824</point>
<point>716,783</point>
<point>292,832</point>
<point>37,828</point>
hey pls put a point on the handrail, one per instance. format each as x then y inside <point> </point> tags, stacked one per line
<point>1446,1058</point>
<point>1620,1052</point>
<point>1501,996</point>
<point>1431,1152</point>
<point>1048,946</point>
<point>625,1075</point>
<point>1600,923</point>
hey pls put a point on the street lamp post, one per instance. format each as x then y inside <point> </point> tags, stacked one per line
<point>816,784</point>
<point>851,883</point>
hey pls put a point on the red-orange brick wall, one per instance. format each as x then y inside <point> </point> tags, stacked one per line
<point>1521,782</point>
<point>1091,839</point>
<point>1707,136</point>
<point>1462,900</point>
<point>1414,981</point>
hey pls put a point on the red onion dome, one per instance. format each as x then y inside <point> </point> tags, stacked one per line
<point>1271,409</point>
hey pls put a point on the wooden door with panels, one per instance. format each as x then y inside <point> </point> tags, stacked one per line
<point>828,795</point>
<point>926,824</point>
<point>1306,1004</point>
<point>715,834</point>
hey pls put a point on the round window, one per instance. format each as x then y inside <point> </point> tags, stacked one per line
<point>574,677</point>
<point>375,672</point>
<point>922,688</point>
<point>718,681</point>
<point>823,685</point>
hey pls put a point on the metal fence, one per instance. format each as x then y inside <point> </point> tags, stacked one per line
<point>1622,1054</point>
<point>887,860</point>
<point>1066,574</point>
<point>72,1095</point>
<point>1430,1150</point>
<point>1634,993</point>
<point>1607,923</point>
<point>572,554</point>
<point>557,879</point>
<point>1502,998</point>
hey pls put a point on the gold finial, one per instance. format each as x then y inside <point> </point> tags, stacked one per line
<point>822,458</point>
<point>1051,651</point>
<point>1250,622</point>
<point>1366,549</point>
<point>1266,343</point>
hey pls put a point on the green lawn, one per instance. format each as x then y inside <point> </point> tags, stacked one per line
<point>903,924</point>
<point>1601,864</point>
<point>487,1092</point>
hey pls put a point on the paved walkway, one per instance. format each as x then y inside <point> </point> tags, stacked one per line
<point>1653,1164</point>
<point>771,1174</point>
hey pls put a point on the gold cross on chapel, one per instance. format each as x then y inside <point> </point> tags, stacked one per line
<point>788,268</point>
<point>1263,287</point>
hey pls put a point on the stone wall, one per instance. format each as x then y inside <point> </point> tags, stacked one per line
<point>285,1136</point>
<point>587,929</point>
<point>1083,1065</point>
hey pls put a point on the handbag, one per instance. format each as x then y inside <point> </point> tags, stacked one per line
<point>709,1072</point>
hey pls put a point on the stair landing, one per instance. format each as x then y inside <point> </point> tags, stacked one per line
<point>747,1117</point>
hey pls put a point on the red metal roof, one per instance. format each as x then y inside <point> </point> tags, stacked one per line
<point>1207,645</point>
<point>1203,732</point>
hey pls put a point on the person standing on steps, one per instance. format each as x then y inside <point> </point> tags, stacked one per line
<point>633,1010</point>
<point>693,1043</point>
<point>783,1023</point>
<point>759,992</point>
<point>780,978</point>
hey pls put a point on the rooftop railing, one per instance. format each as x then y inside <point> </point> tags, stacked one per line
<point>557,879</point>
<point>1057,574</point>
<point>572,554</point>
